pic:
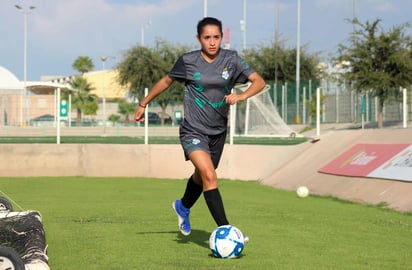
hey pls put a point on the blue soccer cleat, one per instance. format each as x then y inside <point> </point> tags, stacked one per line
<point>182,217</point>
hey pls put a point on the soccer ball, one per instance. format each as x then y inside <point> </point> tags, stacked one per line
<point>226,241</point>
<point>302,191</point>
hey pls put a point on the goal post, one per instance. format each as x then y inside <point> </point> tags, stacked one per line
<point>258,116</point>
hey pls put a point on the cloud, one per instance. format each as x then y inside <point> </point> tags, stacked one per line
<point>93,21</point>
<point>61,30</point>
<point>382,6</point>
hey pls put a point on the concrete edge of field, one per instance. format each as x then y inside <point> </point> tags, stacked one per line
<point>284,167</point>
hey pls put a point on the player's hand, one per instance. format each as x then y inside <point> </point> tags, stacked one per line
<point>139,114</point>
<point>234,98</point>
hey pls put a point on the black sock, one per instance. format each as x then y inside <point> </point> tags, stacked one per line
<point>215,204</point>
<point>192,193</point>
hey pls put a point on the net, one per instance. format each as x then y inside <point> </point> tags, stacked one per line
<point>258,116</point>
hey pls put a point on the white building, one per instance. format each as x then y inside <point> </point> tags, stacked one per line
<point>18,106</point>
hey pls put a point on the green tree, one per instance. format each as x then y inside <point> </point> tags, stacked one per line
<point>90,108</point>
<point>114,118</point>
<point>170,53</point>
<point>275,59</point>
<point>126,109</point>
<point>83,64</point>
<point>141,67</point>
<point>377,61</point>
<point>82,98</point>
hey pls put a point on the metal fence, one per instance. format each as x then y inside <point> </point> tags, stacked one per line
<point>340,105</point>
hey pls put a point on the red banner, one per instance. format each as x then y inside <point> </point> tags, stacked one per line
<point>392,161</point>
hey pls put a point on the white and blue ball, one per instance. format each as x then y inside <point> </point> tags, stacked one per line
<point>226,241</point>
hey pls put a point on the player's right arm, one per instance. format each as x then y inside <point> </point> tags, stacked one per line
<point>156,90</point>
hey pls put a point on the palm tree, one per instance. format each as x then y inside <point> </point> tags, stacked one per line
<point>126,109</point>
<point>83,64</point>
<point>82,98</point>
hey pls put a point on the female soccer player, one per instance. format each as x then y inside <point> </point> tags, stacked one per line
<point>209,75</point>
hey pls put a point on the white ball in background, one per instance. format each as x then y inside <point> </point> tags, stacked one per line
<point>302,192</point>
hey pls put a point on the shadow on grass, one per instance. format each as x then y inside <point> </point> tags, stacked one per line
<point>198,237</point>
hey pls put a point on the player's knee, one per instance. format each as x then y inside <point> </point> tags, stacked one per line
<point>209,177</point>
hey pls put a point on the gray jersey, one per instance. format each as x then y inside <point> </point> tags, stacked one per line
<point>206,85</point>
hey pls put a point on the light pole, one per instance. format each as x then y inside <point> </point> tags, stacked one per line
<point>298,65</point>
<point>104,58</point>
<point>146,24</point>
<point>354,10</point>
<point>243,25</point>
<point>276,50</point>
<point>355,18</point>
<point>25,13</point>
<point>204,8</point>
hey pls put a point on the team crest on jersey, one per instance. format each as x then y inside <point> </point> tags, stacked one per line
<point>225,73</point>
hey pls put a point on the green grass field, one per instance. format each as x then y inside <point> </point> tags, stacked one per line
<point>125,223</point>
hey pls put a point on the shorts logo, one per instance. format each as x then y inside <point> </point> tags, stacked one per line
<point>225,73</point>
<point>195,141</point>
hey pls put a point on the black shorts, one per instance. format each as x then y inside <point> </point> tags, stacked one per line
<point>212,144</point>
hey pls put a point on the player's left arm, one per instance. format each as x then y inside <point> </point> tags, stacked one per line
<point>257,85</point>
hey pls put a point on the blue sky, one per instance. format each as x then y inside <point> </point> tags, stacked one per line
<point>61,30</point>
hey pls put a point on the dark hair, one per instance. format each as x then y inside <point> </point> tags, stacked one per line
<point>208,21</point>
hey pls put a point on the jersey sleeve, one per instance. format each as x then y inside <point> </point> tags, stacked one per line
<point>178,71</point>
<point>244,70</point>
